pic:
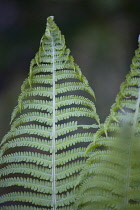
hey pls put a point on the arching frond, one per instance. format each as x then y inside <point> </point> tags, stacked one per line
<point>111,178</point>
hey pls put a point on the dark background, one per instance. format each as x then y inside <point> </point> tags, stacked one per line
<point>101,34</point>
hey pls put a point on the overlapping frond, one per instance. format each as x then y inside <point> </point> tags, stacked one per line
<point>111,178</point>
<point>42,154</point>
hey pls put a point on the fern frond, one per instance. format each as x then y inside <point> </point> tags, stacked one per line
<point>43,153</point>
<point>111,177</point>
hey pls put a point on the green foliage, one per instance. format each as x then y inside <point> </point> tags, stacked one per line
<point>111,178</point>
<point>42,156</point>
<point>43,153</point>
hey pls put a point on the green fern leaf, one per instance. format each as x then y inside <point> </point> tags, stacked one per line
<point>43,153</point>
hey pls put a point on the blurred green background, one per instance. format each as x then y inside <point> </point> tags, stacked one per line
<point>101,34</point>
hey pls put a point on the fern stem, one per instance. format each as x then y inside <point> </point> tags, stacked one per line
<point>53,131</point>
<point>128,171</point>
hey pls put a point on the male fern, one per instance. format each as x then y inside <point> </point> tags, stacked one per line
<point>111,178</point>
<point>43,153</point>
<point>42,156</point>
